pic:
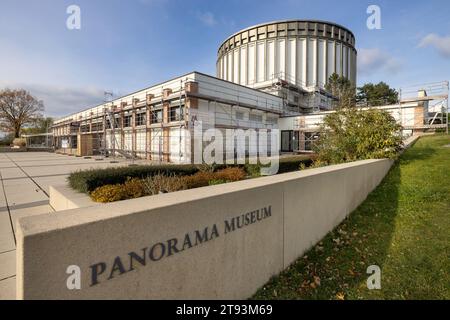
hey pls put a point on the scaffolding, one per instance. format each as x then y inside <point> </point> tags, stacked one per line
<point>41,141</point>
<point>420,108</point>
<point>154,128</point>
<point>434,99</point>
<point>299,97</point>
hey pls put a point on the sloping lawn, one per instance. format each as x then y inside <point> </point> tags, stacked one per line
<point>403,227</point>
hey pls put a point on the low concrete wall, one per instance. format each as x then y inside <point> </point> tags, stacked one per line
<point>222,241</point>
<point>63,197</point>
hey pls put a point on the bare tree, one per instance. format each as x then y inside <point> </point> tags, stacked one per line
<point>17,109</point>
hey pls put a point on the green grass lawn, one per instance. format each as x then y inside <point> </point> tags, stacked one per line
<point>403,227</point>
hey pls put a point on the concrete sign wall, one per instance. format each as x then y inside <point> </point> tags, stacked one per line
<point>221,242</point>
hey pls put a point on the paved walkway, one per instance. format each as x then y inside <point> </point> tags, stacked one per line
<point>25,180</point>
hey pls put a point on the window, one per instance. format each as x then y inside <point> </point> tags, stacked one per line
<point>127,121</point>
<point>271,120</point>
<point>176,114</point>
<point>156,116</point>
<point>74,142</point>
<point>141,119</point>
<point>97,127</point>
<point>239,115</point>
<point>116,122</point>
<point>255,117</point>
<point>74,128</point>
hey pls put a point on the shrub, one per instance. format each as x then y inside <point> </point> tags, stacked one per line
<point>253,170</point>
<point>352,134</point>
<point>7,140</point>
<point>160,183</point>
<point>134,188</point>
<point>108,193</point>
<point>19,142</point>
<point>203,178</point>
<point>288,164</point>
<point>88,180</point>
<point>204,167</point>
<point>200,179</point>
<point>291,164</point>
<point>230,174</point>
<point>217,182</point>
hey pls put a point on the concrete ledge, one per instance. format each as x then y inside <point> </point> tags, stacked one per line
<point>218,242</point>
<point>63,197</point>
<point>409,142</point>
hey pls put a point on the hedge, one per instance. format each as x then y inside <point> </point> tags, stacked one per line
<point>136,188</point>
<point>89,180</point>
<point>293,163</point>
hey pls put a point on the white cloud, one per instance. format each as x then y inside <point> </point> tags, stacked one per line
<point>441,44</point>
<point>207,18</point>
<point>61,101</point>
<point>52,78</point>
<point>375,60</point>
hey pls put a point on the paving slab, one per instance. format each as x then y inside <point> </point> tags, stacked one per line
<point>10,173</point>
<point>21,195</point>
<point>7,165</point>
<point>7,242</point>
<point>8,289</point>
<point>18,182</point>
<point>46,182</point>
<point>57,170</point>
<point>5,222</point>
<point>2,199</point>
<point>51,163</point>
<point>7,265</point>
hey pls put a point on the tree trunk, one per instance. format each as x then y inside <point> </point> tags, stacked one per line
<point>17,132</point>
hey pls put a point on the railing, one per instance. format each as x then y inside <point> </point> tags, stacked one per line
<point>274,77</point>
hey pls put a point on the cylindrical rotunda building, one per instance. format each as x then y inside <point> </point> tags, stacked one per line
<point>302,52</point>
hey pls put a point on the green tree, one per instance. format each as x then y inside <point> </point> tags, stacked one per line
<point>6,139</point>
<point>41,125</point>
<point>341,88</point>
<point>377,94</point>
<point>352,134</point>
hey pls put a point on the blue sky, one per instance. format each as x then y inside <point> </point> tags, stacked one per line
<point>124,46</point>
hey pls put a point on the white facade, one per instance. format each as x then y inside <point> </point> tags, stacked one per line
<point>165,135</point>
<point>404,114</point>
<point>305,53</point>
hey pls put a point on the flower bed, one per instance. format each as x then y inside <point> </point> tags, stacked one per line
<point>159,183</point>
<point>114,184</point>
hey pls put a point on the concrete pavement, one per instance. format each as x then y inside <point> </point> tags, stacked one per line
<point>25,180</point>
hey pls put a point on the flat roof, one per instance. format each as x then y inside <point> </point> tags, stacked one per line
<point>162,83</point>
<point>287,21</point>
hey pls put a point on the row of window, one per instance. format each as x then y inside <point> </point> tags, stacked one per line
<point>175,114</point>
<point>256,118</point>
